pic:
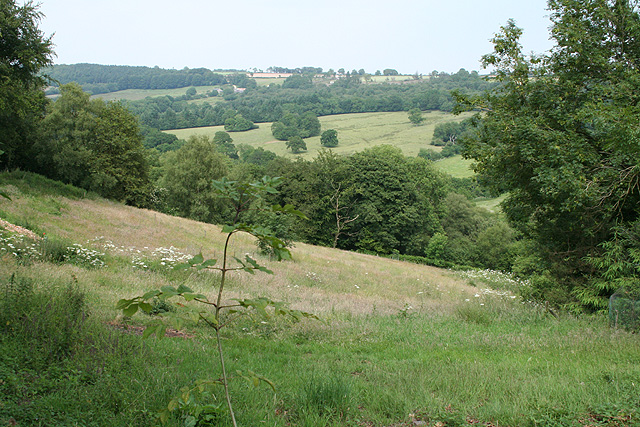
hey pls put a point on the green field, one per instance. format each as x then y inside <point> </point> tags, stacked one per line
<point>138,94</point>
<point>398,344</point>
<point>356,132</point>
<point>456,166</point>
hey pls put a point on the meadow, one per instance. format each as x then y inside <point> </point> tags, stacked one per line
<point>138,94</point>
<point>356,132</point>
<point>397,344</point>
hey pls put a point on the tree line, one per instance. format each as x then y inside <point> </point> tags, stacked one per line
<point>272,103</point>
<point>96,79</point>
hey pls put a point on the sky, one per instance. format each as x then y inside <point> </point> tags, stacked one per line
<point>406,35</point>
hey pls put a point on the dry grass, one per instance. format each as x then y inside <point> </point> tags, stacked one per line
<point>318,279</point>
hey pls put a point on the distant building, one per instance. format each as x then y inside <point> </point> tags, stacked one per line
<point>269,75</point>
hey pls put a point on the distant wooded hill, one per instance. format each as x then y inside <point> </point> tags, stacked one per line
<point>98,79</point>
<point>322,97</point>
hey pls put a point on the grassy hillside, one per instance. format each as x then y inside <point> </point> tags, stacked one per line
<point>356,132</point>
<point>398,344</point>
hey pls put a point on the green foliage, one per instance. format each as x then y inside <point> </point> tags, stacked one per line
<point>557,135</point>
<point>271,104</point>
<point>50,322</point>
<point>296,144</point>
<point>121,77</point>
<point>96,146</point>
<point>238,124</point>
<point>415,116</point>
<point>448,133</point>
<point>304,126</point>
<point>297,81</point>
<point>188,175</point>
<point>329,138</point>
<point>224,144</point>
<point>24,52</point>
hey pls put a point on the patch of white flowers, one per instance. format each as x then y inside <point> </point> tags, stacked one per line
<point>16,245</point>
<point>146,257</point>
<point>500,283</point>
<point>85,256</point>
<point>21,247</point>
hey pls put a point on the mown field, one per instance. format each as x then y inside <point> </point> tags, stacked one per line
<point>138,94</point>
<point>356,132</point>
<point>398,344</point>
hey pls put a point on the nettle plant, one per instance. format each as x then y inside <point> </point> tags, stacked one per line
<point>219,313</point>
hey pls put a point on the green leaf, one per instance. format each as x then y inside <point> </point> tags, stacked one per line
<point>190,421</point>
<point>196,259</point>
<point>161,330</point>
<point>182,289</point>
<point>130,310</point>
<point>164,415</point>
<point>210,317</point>
<point>168,291</point>
<point>150,295</point>
<point>146,307</point>
<point>228,229</point>
<point>123,303</point>
<point>209,263</point>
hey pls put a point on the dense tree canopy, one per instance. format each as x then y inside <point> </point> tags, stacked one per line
<point>238,123</point>
<point>94,145</point>
<point>296,144</point>
<point>347,95</point>
<point>97,78</point>
<point>329,138</point>
<point>561,136</point>
<point>302,125</point>
<point>24,52</point>
<point>188,179</point>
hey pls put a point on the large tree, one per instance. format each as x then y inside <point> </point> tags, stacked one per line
<point>24,52</point>
<point>188,179</point>
<point>561,135</point>
<point>94,145</point>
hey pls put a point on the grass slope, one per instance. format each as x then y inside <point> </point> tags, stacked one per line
<point>398,345</point>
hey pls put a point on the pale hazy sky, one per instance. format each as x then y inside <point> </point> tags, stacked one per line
<point>408,35</point>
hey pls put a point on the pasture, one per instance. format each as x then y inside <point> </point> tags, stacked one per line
<point>356,132</point>
<point>397,345</point>
<point>138,94</point>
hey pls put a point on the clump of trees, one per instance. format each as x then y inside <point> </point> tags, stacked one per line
<point>329,138</point>
<point>238,123</point>
<point>296,144</point>
<point>448,133</point>
<point>303,125</point>
<point>94,145</point>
